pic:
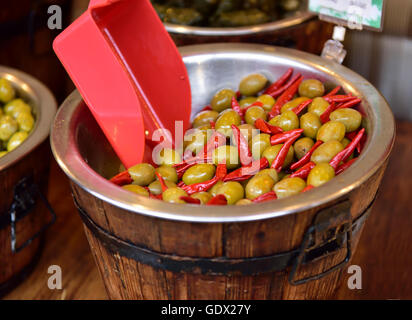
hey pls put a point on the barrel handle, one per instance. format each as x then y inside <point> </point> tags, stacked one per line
<point>335,217</point>
<point>24,202</point>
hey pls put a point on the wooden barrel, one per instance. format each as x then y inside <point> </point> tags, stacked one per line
<point>303,31</point>
<point>24,211</point>
<point>291,248</point>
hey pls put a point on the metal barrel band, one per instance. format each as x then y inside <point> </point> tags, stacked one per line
<point>207,266</point>
<point>24,201</point>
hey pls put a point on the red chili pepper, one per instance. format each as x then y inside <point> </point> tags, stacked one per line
<point>236,106</point>
<point>361,144</point>
<point>351,135</point>
<point>266,127</point>
<point>339,98</point>
<point>324,117</point>
<point>181,184</point>
<point>271,195</point>
<point>307,188</point>
<point>281,156</point>
<point>216,140</point>
<point>333,92</point>
<point>344,166</point>
<point>306,158</point>
<point>242,146</point>
<point>285,97</point>
<point>188,199</point>
<point>238,94</point>
<point>212,124</point>
<point>207,108</point>
<point>156,196</point>
<point>281,90</point>
<point>301,106</point>
<point>346,153</point>
<point>245,173</point>
<point>122,178</point>
<point>221,171</point>
<point>350,103</point>
<point>282,137</point>
<point>200,187</point>
<point>304,171</point>
<point>162,182</point>
<point>278,83</point>
<point>219,200</point>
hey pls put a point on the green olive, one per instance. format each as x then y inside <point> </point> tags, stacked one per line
<point>142,174</point>
<point>156,187</point>
<point>25,121</point>
<point>248,131</point>
<point>232,190</point>
<point>326,151</point>
<point>168,173</point>
<point>271,172</point>
<point>259,185</point>
<point>254,113</point>
<point>222,100</point>
<point>8,126</point>
<point>225,121</point>
<point>318,106</point>
<point>246,102</point>
<point>168,157</point>
<point>271,152</point>
<point>228,154</point>
<point>195,140</point>
<point>16,140</point>
<point>204,118</point>
<point>289,187</point>
<point>321,173</point>
<point>6,90</point>
<point>302,146</point>
<point>173,195</point>
<point>293,104</point>
<point>15,107</point>
<point>136,189</point>
<point>199,173</point>
<point>311,88</point>
<point>243,202</point>
<point>204,197</point>
<point>310,123</point>
<point>345,141</point>
<point>252,84</point>
<point>268,102</point>
<point>287,121</point>
<point>331,130</point>
<point>213,190</point>
<point>258,144</point>
<point>349,117</point>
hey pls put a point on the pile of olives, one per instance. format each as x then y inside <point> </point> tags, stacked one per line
<point>331,137</point>
<point>16,118</point>
<point>224,13</point>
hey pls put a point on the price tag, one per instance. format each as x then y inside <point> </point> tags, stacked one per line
<point>355,14</point>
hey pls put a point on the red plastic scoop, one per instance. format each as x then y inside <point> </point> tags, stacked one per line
<point>129,73</point>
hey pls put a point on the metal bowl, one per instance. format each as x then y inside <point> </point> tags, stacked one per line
<point>86,157</point>
<point>44,108</point>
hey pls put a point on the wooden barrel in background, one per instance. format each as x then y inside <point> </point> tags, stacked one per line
<point>24,172</point>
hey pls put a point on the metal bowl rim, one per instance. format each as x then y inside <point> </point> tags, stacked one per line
<point>298,18</point>
<point>377,151</point>
<point>45,109</point>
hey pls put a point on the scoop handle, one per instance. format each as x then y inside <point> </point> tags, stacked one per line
<point>101,3</point>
